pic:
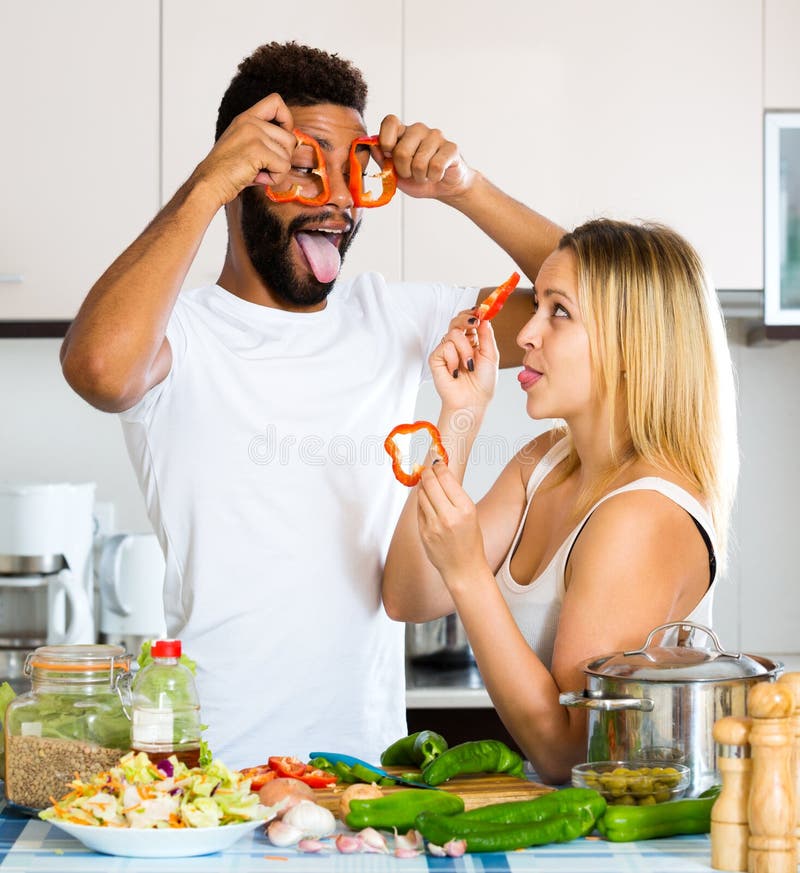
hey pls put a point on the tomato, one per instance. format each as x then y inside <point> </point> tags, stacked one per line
<point>258,776</point>
<point>317,778</point>
<point>286,765</point>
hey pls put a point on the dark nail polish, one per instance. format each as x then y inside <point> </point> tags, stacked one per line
<point>470,365</point>
<point>472,320</point>
<point>455,374</point>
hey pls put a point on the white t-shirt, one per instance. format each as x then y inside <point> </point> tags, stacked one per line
<point>262,464</point>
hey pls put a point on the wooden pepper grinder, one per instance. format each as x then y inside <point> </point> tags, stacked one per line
<point>792,680</point>
<point>771,806</point>
<point>729,828</point>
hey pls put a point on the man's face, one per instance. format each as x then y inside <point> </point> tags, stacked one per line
<point>297,250</point>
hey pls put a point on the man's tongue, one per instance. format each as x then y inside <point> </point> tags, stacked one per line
<point>321,254</point>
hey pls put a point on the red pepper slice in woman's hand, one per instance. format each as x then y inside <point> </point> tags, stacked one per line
<point>392,449</point>
<point>293,194</point>
<point>494,302</point>
<point>388,176</point>
<point>286,765</point>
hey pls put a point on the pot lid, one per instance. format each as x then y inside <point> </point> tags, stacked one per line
<point>679,663</point>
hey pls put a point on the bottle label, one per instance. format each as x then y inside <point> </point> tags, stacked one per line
<point>151,726</point>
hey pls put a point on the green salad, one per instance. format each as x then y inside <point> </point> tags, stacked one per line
<point>140,794</point>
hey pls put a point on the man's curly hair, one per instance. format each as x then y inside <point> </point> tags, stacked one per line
<point>302,75</point>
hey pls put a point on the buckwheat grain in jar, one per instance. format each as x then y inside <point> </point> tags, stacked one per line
<point>71,721</point>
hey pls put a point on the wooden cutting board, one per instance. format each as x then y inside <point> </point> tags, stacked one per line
<point>477,790</point>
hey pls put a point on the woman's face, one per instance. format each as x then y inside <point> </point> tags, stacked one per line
<point>557,373</point>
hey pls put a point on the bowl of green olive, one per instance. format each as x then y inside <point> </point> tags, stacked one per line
<point>633,783</point>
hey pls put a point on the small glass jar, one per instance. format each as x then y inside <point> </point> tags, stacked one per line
<point>71,721</point>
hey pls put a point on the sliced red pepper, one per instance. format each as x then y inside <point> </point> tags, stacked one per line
<point>293,194</point>
<point>258,776</point>
<point>286,765</point>
<point>317,778</point>
<point>494,302</point>
<point>388,177</point>
<point>411,479</point>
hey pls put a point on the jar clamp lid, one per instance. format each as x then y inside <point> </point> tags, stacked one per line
<point>78,663</point>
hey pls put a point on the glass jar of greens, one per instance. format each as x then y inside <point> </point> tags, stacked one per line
<point>71,721</point>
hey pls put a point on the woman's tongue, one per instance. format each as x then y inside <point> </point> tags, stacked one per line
<point>321,254</point>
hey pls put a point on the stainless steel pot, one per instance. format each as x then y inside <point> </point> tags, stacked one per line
<point>662,701</point>
<point>440,643</point>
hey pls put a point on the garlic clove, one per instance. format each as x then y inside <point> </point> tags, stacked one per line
<point>374,841</point>
<point>436,851</point>
<point>282,834</point>
<point>310,846</point>
<point>347,844</point>
<point>411,840</point>
<point>455,848</point>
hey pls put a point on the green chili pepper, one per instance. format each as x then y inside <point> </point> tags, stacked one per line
<point>479,756</point>
<point>420,749</point>
<point>400,809</point>
<point>344,772</point>
<point>622,824</point>
<point>487,836</point>
<point>565,802</point>
<point>365,774</point>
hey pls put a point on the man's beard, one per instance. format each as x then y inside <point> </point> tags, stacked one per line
<point>268,244</point>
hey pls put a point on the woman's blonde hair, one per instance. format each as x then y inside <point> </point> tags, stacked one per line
<point>657,340</point>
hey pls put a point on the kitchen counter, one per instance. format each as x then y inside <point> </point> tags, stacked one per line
<point>33,846</point>
<point>459,687</point>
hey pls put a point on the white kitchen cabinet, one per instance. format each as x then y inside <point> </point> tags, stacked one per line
<point>584,109</point>
<point>202,47</point>
<point>781,63</point>
<point>79,169</point>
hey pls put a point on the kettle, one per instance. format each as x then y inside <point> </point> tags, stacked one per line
<point>130,581</point>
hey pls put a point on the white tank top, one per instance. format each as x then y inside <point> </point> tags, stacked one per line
<point>536,607</point>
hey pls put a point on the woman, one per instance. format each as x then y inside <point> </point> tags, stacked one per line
<point>597,531</point>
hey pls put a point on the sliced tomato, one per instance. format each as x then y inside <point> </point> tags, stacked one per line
<point>286,765</point>
<point>318,778</point>
<point>258,776</point>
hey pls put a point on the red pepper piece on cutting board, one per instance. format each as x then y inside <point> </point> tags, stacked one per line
<point>494,302</point>
<point>392,449</point>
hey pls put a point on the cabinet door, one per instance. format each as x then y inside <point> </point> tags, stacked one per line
<point>583,109</point>
<point>781,61</point>
<point>80,146</point>
<point>203,45</point>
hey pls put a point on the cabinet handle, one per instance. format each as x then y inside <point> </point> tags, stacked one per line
<point>11,278</point>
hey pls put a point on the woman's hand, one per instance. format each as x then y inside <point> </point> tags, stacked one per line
<point>448,525</point>
<point>464,364</point>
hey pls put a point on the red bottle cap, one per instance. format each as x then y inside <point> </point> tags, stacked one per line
<point>166,649</point>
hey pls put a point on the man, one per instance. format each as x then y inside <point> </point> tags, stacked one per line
<point>254,410</point>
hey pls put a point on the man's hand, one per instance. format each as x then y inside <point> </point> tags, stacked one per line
<point>427,164</point>
<point>256,149</point>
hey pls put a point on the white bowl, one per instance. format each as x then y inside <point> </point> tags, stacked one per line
<point>157,843</point>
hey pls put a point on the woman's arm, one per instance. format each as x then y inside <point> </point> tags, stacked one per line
<point>635,565</point>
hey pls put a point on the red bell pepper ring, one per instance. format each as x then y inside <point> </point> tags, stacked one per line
<point>286,765</point>
<point>494,302</point>
<point>388,177</point>
<point>392,449</point>
<point>293,194</point>
<point>318,778</point>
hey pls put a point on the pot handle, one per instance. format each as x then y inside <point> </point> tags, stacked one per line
<point>692,624</point>
<point>607,704</point>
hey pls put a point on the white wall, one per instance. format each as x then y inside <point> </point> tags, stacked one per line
<point>48,433</point>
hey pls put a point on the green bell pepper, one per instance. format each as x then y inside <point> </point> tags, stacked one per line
<point>622,824</point>
<point>400,809</point>
<point>478,756</point>
<point>418,749</point>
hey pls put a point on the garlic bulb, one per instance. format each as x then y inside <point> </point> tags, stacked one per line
<point>311,819</point>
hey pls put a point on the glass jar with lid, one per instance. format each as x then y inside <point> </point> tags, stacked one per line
<point>71,721</point>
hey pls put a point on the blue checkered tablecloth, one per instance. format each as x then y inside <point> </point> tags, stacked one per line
<point>32,846</point>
